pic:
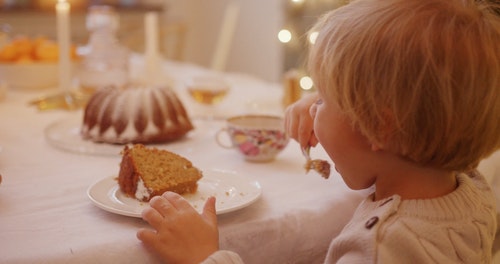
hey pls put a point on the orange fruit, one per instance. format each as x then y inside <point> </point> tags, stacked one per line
<point>30,50</point>
<point>8,53</point>
<point>47,51</point>
<point>25,59</point>
<point>23,45</point>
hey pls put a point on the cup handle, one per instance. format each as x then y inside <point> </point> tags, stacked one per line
<point>221,142</point>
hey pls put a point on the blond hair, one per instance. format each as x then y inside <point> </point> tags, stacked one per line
<point>421,77</point>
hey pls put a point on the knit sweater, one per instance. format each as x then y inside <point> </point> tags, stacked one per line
<point>456,228</point>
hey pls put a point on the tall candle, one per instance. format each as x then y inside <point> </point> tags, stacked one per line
<point>151,45</point>
<point>151,29</point>
<point>225,36</point>
<point>63,38</point>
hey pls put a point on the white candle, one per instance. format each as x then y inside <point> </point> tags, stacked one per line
<point>151,47</point>
<point>151,28</point>
<point>225,36</point>
<point>64,42</point>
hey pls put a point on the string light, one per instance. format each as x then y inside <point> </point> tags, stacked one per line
<point>306,83</point>
<point>285,36</point>
<point>300,16</point>
<point>313,36</point>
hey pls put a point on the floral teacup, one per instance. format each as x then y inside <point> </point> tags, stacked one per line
<point>259,138</point>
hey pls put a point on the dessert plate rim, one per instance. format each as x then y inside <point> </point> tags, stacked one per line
<point>232,191</point>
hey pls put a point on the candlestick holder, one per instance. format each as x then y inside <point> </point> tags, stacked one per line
<point>66,98</point>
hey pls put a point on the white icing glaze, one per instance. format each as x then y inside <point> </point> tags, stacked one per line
<point>142,192</point>
<point>127,101</point>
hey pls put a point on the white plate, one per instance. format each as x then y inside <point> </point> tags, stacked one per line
<point>65,134</point>
<point>232,192</point>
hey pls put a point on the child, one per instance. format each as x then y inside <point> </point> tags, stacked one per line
<point>408,102</point>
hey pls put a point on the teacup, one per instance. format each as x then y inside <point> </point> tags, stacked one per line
<point>259,138</point>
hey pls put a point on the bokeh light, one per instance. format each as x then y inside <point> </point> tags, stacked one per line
<point>284,36</point>
<point>306,83</point>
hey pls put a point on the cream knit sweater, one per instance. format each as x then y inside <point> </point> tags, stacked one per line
<point>456,228</point>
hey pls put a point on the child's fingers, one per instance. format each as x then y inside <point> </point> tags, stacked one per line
<point>150,239</point>
<point>153,217</point>
<point>313,141</point>
<point>147,236</point>
<point>209,211</point>
<point>291,126</point>
<point>305,131</point>
<point>161,205</point>
<point>177,201</point>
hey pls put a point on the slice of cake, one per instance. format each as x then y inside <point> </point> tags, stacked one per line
<point>146,172</point>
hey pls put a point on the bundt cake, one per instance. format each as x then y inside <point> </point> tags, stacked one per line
<point>147,171</point>
<point>134,114</point>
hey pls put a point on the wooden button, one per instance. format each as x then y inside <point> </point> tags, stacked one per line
<point>371,222</point>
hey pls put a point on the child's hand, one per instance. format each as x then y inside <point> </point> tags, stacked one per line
<point>181,234</point>
<point>299,123</point>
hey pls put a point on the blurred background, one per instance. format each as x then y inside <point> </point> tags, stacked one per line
<point>268,37</point>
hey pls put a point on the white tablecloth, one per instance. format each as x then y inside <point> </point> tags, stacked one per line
<point>46,216</point>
